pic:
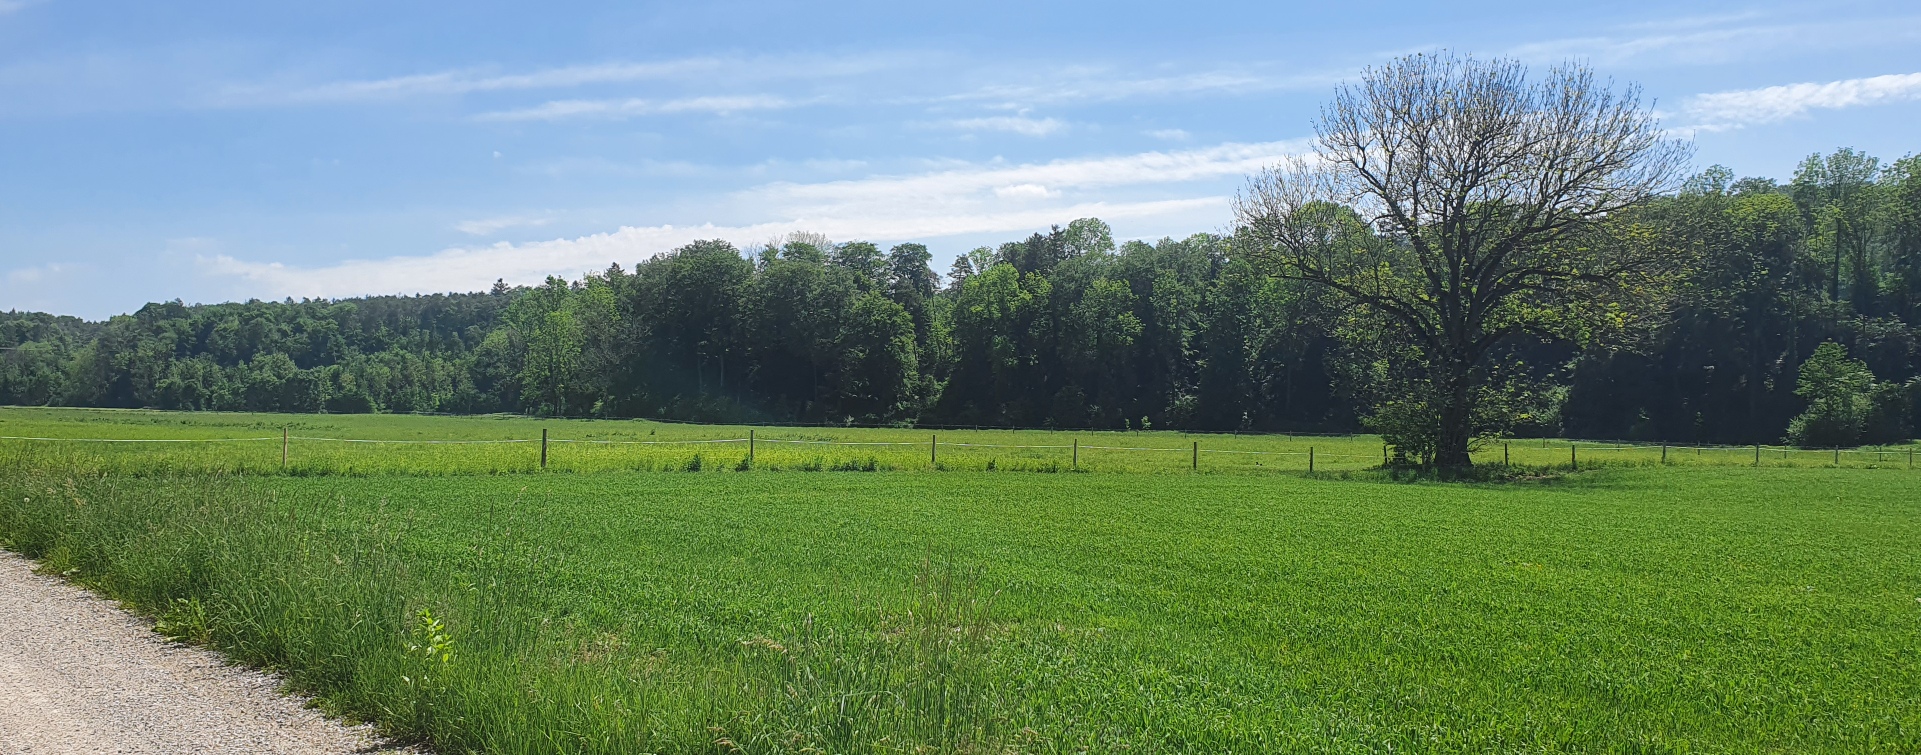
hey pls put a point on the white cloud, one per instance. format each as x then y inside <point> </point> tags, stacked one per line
<point>36,273</point>
<point>1708,40</point>
<point>1170,134</point>
<point>705,70</point>
<point>937,189</point>
<point>489,226</point>
<point>457,269</point>
<point>1164,188</point>
<point>1723,110</point>
<point>1084,84</point>
<point>1017,124</point>
<point>10,6</point>
<point>462,269</point>
<point>1025,191</point>
<point>624,108</point>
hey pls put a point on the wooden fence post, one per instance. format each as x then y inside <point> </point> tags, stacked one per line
<point>750,446</point>
<point>933,449</point>
<point>1573,463</point>
<point>1504,455</point>
<point>543,448</point>
<point>283,448</point>
<point>1310,459</point>
<point>1664,453</point>
<point>1197,454</point>
<point>1757,454</point>
<point>1077,453</point>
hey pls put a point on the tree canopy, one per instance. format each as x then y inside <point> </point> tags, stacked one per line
<point>1060,329</point>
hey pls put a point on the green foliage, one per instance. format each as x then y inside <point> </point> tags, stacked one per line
<point>1764,292</point>
<point>1846,406</point>
<point>1065,329</point>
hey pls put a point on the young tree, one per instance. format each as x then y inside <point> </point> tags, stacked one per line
<point>1838,390</point>
<point>1457,200</point>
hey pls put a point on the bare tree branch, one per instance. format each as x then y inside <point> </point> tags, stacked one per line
<point>1458,198</point>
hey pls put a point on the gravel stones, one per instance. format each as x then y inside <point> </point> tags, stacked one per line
<point>80,675</point>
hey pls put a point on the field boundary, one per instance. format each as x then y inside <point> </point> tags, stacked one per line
<point>1575,447</point>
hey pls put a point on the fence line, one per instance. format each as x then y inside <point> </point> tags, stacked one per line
<point>1009,445</point>
<point>142,440</point>
<point>649,442</point>
<point>1879,454</point>
<point>914,443</point>
<point>415,442</point>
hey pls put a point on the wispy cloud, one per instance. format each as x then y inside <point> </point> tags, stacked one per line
<point>1014,124</point>
<point>1717,40</point>
<point>490,226</point>
<point>866,196</point>
<point>462,82</point>
<point>633,107</point>
<point>1170,134</point>
<point>706,70</point>
<point>953,200</point>
<point>1724,110</point>
<point>37,273</point>
<point>1091,84</point>
<point>10,6</point>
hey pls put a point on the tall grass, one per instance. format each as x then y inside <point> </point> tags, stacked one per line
<point>464,653</point>
<point>801,604</point>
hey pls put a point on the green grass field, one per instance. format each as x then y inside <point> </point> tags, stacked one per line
<point>1699,606</point>
<point>374,444</point>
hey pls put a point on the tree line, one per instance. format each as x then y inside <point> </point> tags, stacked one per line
<point>1342,300</point>
<point>1061,329</point>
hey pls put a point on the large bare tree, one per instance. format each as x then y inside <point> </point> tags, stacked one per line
<point>1463,205</point>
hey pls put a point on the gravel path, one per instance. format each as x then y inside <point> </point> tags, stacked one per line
<point>80,675</point>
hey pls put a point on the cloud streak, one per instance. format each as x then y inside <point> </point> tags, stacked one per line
<point>705,70</point>
<point>37,273</point>
<point>1102,85</point>
<point>1013,124</point>
<point>1725,110</point>
<point>627,108</point>
<point>1706,41</point>
<point>490,226</point>
<point>953,201</point>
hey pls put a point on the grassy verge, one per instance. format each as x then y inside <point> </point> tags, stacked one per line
<point>1648,610</point>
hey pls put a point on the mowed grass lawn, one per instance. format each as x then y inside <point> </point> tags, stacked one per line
<point>1652,609</point>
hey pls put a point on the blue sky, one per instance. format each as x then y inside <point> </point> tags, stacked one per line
<point>228,151</point>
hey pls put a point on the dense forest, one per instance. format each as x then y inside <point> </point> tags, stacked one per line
<point>1801,317</point>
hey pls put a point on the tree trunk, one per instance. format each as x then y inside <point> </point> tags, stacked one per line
<point>1456,420</point>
